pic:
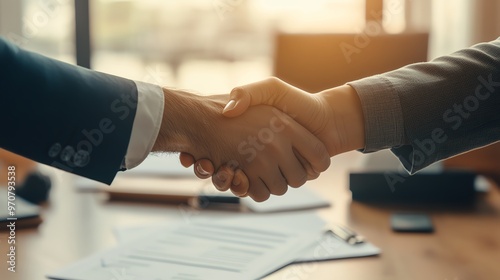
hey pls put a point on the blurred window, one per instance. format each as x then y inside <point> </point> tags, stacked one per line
<point>47,27</point>
<point>206,45</point>
<point>209,45</point>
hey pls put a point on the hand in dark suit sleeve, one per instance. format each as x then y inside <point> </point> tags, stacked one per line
<point>64,116</point>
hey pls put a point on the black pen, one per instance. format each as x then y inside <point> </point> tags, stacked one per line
<point>216,201</point>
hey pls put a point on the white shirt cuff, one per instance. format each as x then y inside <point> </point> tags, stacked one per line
<point>147,122</point>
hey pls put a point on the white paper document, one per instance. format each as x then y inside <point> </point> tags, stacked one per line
<point>203,249</point>
<point>330,247</point>
<point>244,246</point>
<point>323,246</point>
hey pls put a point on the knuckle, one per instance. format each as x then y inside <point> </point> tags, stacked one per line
<point>280,190</point>
<point>322,155</point>
<point>237,93</point>
<point>299,181</point>
<point>274,82</point>
<point>312,175</point>
<point>279,186</point>
<point>219,185</point>
<point>239,190</point>
<point>257,190</point>
<point>233,164</point>
<point>261,197</point>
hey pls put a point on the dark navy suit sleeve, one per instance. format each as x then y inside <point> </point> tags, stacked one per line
<point>64,116</point>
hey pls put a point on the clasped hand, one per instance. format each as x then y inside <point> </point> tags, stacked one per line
<point>282,144</point>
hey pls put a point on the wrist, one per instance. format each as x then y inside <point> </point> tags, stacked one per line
<point>179,122</point>
<point>348,115</point>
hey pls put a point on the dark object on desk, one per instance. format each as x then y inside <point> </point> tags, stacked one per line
<point>393,187</point>
<point>152,190</point>
<point>35,189</point>
<point>411,222</point>
<point>24,214</point>
<point>223,202</point>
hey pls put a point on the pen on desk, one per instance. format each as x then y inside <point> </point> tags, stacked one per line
<point>346,234</point>
<point>216,201</point>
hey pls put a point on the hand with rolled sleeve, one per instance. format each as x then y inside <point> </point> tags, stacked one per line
<point>271,148</point>
<point>423,112</point>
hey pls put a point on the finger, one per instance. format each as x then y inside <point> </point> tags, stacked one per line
<point>203,168</point>
<point>276,182</point>
<point>223,178</point>
<point>310,147</point>
<point>240,184</point>
<point>293,171</point>
<point>258,190</point>
<point>311,174</point>
<point>186,159</point>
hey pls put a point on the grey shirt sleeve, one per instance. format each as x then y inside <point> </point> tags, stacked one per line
<point>427,112</point>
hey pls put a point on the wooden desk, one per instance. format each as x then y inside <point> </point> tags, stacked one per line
<point>466,244</point>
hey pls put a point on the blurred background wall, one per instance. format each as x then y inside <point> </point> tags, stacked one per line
<point>212,45</point>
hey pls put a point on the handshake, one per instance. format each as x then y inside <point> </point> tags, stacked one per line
<point>263,137</point>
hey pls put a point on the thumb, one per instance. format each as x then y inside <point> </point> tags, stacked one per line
<point>239,101</point>
<point>264,92</point>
